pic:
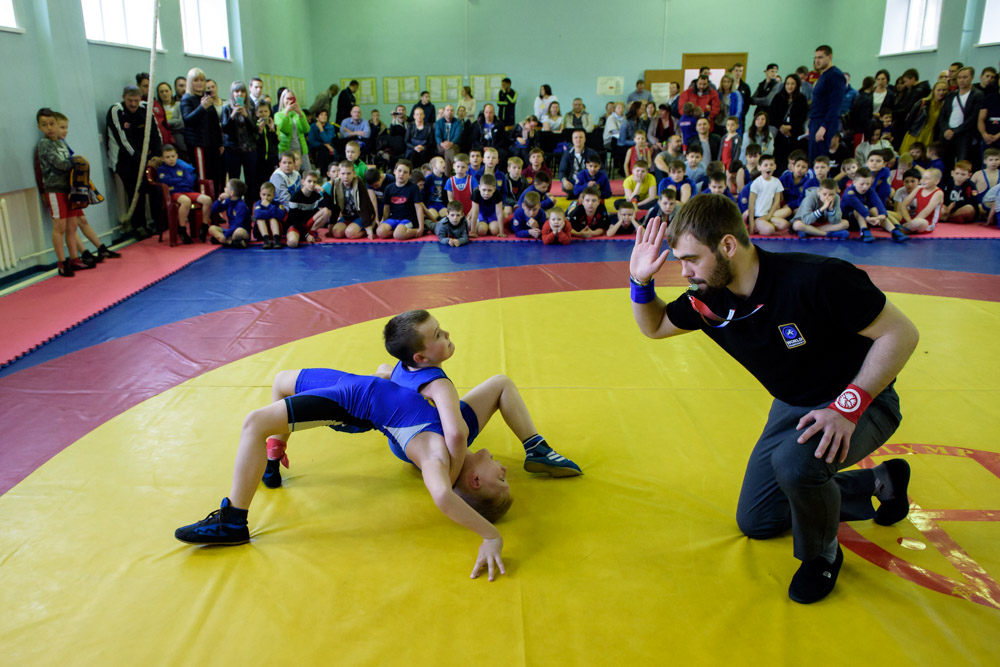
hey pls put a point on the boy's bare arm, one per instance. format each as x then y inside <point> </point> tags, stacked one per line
<point>456,431</point>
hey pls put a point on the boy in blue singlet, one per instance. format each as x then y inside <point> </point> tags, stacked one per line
<point>473,495</point>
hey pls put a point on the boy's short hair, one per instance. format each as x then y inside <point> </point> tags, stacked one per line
<point>754,149</point>
<point>822,159</point>
<point>488,180</point>
<point>44,112</point>
<point>904,159</point>
<point>288,154</point>
<point>59,116</point>
<point>735,119</point>
<point>879,153</point>
<point>669,193</point>
<point>346,164</point>
<point>168,148</point>
<point>636,133</point>
<point>919,145</point>
<point>828,184</point>
<point>715,167</point>
<point>593,159</point>
<point>717,177</point>
<point>475,150</point>
<point>936,146</point>
<point>238,187</point>
<point>505,80</point>
<point>797,155</point>
<point>402,340</point>
<point>372,176</point>
<point>490,508</point>
<point>708,220</point>
<point>589,190</point>
<point>991,152</point>
<point>406,163</point>
<point>455,206</point>
<point>489,149</point>
<point>542,177</point>
<point>735,167</point>
<point>311,172</point>
<point>557,211</point>
<point>516,161</point>
<point>848,162</point>
<point>862,172</point>
<point>461,157</point>
<point>535,151</point>
<point>352,144</point>
<point>642,164</point>
<point>676,165</point>
<point>933,173</point>
<point>626,205</point>
<point>267,186</point>
<point>437,159</point>
<point>688,108</point>
<point>531,199</point>
<point>911,173</point>
<point>765,157</point>
<point>131,91</point>
<point>964,165</point>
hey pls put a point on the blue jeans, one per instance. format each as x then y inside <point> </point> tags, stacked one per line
<point>785,486</point>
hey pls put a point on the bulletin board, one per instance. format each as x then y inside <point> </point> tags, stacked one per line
<point>367,89</point>
<point>274,81</point>
<point>400,89</point>
<point>445,88</point>
<point>486,86</point>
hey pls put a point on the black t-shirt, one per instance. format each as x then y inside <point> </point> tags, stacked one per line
<point>578,219</point>
<point>402,201</point>
<point>488,205</point>
<point>803,344</point>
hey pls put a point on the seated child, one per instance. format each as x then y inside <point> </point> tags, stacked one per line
<point>989,204</point>
<point>269,215</point>
<point>237,214</point>
<point>743,198</point>
<point>903,164</point>
<point>751,164</point>
<point>474,496</point>
<point>729,147</point>
<point>794,184</point>
<point>513,186</point>
<point>934,151</point>
<point>765,200</point>
<point>461,186</point>
<point>626,222</point>
<point>881,175</point>
<point>402,216</point>
<point>666,206</point>
<point>695,171</point>
<point>819,173</point>
<point>677,181</point>
<point>640,188</point>
<point>988,177</point>
<point>554,231</point>
<point>717,186</point>
<point>819,213</point>
<point>536,165</point>
<point>592,177</point>
<point>686,126</point>
<point>640,151</point>
<point>541,185</point>
<point>961,201</point>
<point>435,198</point>
<point>452,229</point>
<point>929,199</point>
<point>181,179</point>
<point>352,152</point>
<point>476,163</point>
<point>863,208</point>
<point>486,216</point>
<point>848,169</point>
<point>309,210</point>
<point>375,181</point>
<point>589,218</point>
<point>528,218</point>
<point>491,158</point>
<point>901,214</point>
<point>286,179</point>
<point>355,204</point>
<point>918,152</point>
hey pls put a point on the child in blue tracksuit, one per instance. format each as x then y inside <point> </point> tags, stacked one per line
<point>881,176</point>
<point>237,214</point>
<point>541,185</point>
<point>529,217</point>
<point>862,207</point>
<point>182,181</point>
<point>795,182</point>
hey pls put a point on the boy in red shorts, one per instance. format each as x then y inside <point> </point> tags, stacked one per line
<point>182,181</point>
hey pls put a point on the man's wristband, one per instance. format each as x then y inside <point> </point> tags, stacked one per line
<point>852,402</point>
<point>642,292</point>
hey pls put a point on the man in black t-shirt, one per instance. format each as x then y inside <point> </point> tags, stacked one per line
<point>825,343</point>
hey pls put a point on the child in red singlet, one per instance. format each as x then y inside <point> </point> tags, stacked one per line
<point>460,186</point>
<point>929,198</point>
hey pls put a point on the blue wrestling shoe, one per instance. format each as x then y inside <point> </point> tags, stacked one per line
<point>542,458</point>
<point>272,474</point>
<point>226,526</point>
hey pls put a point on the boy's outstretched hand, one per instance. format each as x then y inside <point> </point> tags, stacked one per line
<point>489,555</point>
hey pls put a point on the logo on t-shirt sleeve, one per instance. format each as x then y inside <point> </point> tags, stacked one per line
<point>791,335</point>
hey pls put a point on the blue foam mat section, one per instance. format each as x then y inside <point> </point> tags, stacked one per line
<point>227,279</point>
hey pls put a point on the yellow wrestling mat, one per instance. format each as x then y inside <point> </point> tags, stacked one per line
<point>638,562</point>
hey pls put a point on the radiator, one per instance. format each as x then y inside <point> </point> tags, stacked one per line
<point>8,258</point>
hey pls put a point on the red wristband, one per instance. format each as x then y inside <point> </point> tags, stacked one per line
<point>852,402</point>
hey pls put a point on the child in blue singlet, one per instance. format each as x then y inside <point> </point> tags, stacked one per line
<point>473,495</point>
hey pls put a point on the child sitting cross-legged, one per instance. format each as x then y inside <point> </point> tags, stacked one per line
<point>403,214</point>
<point>819,213</point>
<point>452,229</point>
<point>309,210</point>
<point>929,199</point>
<point>181,179</point>
<point>237,214</point>
<point>961,201</point>
<point>354,201</point>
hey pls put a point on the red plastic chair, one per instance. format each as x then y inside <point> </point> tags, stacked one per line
<point>170,207</point>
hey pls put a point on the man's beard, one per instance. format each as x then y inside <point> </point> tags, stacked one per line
<point>720,277</point>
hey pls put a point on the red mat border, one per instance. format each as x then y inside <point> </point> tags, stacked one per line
<point>47,407</point>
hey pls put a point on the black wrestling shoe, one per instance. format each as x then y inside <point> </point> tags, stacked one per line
<point>223,526</point>
<point>815,579</point>
<point>185,237</point>
<point>66,269</point>
<point>89,259</point>
<point>106,253</point>
<point>272,474</point>
<point>896,508</point>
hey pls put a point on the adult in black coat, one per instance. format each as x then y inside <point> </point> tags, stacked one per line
<point>345,101</point>
<point>488,131</point>
<point>789,112</point>
<point>961,138</point>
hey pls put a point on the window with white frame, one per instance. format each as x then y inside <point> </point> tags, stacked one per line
<point>120,22</point>
<point>206,28</point>
<point>910,25</point>
<point>990,33</point>
<point>7,18</point>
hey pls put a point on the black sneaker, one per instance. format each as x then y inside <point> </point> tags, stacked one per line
<point>240,243</point>
<point>896,508</point>
<point>106,253</point>
<point>268,243</point>
<point>66,269</point>
<point>815,579</point>
<point>185,237</point>
<point>89,259</point>
<point>272,474</point>
<point>219,527</point>
<point>203,233</point>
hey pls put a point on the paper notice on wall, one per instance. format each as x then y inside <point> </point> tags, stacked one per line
<point>610,85</point>
<point>660,92</point>
<point>435,85</point>
<point>452,88</point>
<point>478,83</point>
<point>411,89</point>
<point>367,93</point>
